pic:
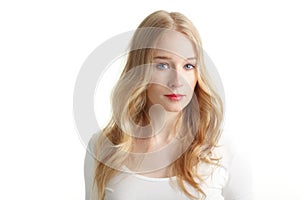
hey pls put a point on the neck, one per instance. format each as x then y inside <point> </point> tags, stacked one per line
<point>163,131</point>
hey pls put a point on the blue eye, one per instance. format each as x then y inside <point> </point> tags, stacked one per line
<point>162,66</point>
<point>189,66</point>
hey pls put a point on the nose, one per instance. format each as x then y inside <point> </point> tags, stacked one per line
<point>175,80</point>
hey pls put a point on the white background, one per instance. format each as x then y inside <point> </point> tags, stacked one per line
<point>254,44</point>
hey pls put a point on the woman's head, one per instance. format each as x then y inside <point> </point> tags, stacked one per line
<point>162,40</point>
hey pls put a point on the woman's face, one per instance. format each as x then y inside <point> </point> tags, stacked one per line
<point>175,74</point>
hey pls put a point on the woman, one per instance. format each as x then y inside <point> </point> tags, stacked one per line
<point>162,140</point>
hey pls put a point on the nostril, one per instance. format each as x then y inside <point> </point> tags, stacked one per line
<point>175,84</point>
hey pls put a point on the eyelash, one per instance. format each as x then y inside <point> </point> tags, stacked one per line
<point>190,65</point>
<point>161,64</point>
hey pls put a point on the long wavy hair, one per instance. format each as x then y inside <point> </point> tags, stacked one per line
<point>129,100</point>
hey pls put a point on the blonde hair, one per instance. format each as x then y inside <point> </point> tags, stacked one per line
<point>131,108</point>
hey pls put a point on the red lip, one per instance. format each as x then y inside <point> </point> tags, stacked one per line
<point>174,95</point>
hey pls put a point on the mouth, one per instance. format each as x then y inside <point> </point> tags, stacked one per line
<point>174,97</point>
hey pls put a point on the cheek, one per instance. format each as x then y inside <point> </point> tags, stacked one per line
<point>160,79</point>
<point>192,81</point>
<point>153,90</point>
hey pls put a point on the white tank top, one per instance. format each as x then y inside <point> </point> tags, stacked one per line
<point>231,180</point>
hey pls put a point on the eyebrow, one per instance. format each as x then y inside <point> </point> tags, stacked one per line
<point>168,58</point>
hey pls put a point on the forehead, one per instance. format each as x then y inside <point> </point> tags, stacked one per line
<point>175,43</point>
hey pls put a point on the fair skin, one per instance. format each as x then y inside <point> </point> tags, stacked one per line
<point>172,87</point>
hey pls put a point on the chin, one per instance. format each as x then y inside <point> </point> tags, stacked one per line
<point>173,109</point>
